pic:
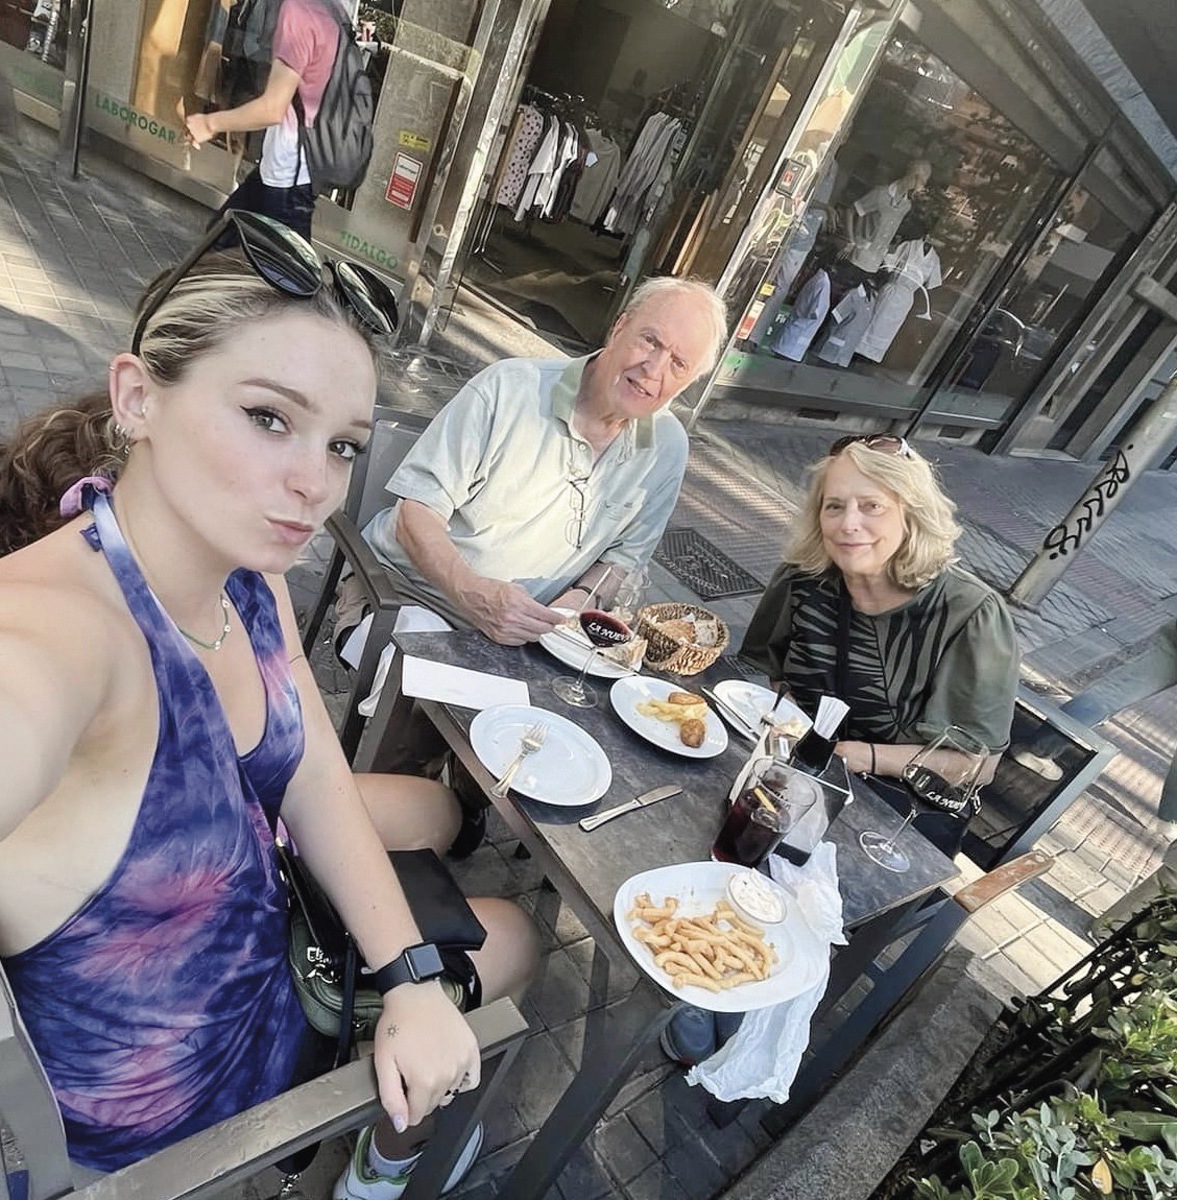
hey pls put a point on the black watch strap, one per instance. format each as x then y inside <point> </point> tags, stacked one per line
<point>414,965</point>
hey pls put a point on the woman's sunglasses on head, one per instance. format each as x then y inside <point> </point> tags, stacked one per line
<point>290,265</point>
<point>885,443</point>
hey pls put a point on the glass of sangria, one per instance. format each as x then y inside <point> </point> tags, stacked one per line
<point>774,798</point>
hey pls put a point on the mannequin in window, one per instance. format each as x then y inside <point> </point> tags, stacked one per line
<point>874,219</point>
<point>849,319</point>
<point>914,267</point>
<point>792,261</point>
<point>810,309</point>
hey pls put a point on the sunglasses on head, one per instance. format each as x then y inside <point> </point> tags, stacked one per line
<point>886,443</point>
<point>290,265</point>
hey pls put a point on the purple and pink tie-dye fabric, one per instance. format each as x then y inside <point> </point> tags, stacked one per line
<point>165,1003</point>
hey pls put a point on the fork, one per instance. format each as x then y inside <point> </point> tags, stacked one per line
<point>532,740</point>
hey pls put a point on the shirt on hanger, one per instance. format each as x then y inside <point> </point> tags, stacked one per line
<point>917,268</point>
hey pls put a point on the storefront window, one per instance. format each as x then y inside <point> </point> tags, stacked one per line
<point>657,98</point>
<point>803,32</point>
<point>912,212</point>
<point>39,27</point>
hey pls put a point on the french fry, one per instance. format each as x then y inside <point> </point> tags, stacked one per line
<point>689,978</point>
<point>715,950</point>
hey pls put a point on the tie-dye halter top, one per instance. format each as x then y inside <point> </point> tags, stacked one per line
<point>165,1003</point>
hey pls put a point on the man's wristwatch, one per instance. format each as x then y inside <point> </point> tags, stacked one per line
<point>414,965</point>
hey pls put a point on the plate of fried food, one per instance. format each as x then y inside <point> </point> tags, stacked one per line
<point>681,929</point>
<point>669,716</point>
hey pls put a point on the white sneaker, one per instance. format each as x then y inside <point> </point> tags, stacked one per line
<point>360,1182</point>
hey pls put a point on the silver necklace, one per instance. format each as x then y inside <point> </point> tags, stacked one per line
<point>225,629</point>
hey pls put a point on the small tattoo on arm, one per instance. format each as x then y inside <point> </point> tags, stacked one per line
<point>393,1030</point>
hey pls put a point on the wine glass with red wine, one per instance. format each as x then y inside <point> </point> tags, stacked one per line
<point>944,775</point>
<point>603,630</point>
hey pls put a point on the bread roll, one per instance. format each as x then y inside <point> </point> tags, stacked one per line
<point>683,631</point>
<point>692,732</point>
<point>684,698</point>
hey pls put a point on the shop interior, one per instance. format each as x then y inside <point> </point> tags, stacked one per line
<point>929,192</point>
<point>612,96</point>
<point>40,27</point>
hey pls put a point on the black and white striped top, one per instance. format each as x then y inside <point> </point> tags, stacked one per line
<point>948,656</point>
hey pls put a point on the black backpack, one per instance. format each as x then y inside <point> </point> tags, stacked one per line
<point>338,146</point>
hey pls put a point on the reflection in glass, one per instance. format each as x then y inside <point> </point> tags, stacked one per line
<point>40,28</point>
<point>911,212</point>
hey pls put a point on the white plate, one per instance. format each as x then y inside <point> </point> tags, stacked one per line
<point>571,647</point>
<point>627,694</point>
<point>698,887</point>
<point>568,769</point>
<point>752,701</point>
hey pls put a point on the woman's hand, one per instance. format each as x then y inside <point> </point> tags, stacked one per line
<point>425,1053</point>
<point>859,759</point>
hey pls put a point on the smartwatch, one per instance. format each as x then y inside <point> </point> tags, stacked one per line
<point>414,965</point>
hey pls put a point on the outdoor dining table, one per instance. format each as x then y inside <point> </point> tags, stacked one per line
<point>587,869</point>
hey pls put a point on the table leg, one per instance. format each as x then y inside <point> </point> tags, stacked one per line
<point>629,1028</point>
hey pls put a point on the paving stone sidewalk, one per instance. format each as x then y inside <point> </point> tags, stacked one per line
<point>73,257</point>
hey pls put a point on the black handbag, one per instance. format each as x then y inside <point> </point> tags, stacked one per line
<point>328,974</point>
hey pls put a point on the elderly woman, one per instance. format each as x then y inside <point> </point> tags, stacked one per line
<point>870,606</point>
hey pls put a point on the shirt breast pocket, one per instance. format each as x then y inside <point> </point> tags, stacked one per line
<point>614,514</point>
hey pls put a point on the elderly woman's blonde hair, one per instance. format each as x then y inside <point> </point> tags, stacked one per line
<point>930,532</point>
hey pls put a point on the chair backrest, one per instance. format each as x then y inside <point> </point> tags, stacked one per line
<point>1021,804</point>
<point>393,435</point>
<point>33,1158</point>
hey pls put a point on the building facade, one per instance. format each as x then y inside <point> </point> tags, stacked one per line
<point>933,214</point>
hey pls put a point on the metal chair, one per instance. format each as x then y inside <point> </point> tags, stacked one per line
<point>393,435</point>
<point>896,982</point>
<point>1020,805</point>
<point>34,1164</point>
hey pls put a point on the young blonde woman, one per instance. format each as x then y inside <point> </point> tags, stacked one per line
<point>156,719</point>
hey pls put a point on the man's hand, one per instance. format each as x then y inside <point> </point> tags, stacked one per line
<point>200,129</point>
<point>425,1053</point>
<point>506,613</point>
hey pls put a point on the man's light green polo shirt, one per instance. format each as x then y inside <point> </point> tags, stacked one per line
<point>503,466</point>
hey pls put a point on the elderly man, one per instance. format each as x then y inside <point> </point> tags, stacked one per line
<point>539,473</point>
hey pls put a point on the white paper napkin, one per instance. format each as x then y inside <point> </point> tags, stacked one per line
<point>427,680</point>
<point>762,1058</point>
<point>411,618</point>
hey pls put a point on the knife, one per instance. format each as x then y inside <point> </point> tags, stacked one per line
<point>588,824</point>
<point>736,718</point>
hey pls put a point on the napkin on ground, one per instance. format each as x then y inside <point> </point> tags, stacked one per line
<point>411,618</point>
<point>761,1060</point>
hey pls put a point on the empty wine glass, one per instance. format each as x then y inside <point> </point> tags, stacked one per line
<point>946,775</point>
<point>631,596</point>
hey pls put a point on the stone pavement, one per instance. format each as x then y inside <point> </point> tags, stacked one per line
<point>72,259</point>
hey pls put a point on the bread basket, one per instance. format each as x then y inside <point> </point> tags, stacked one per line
<point>667,653</point>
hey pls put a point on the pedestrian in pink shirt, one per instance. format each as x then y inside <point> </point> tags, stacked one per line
<point>306,38</point>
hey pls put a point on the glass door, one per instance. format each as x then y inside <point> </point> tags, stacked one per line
<point>1081,247</point>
